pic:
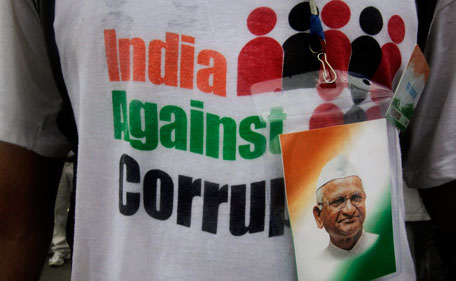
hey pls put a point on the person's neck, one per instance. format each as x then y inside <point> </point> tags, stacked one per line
<point>346,243</point>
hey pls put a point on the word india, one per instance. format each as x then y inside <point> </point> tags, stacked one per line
<point>170,62</point>
<point>145,125</point>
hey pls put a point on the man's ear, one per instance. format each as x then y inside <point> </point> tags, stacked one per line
<point>317,216</point>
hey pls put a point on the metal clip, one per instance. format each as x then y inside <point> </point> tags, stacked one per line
<point>326,73</point>
<point>313,7</point>
<point>328,78</point>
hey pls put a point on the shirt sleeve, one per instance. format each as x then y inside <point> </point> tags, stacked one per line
<point>29,99</point>
<point>431,158</point>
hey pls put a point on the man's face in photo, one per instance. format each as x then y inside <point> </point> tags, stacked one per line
<point>342,208</point>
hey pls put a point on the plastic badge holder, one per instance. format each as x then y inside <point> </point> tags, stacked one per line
<point>304,103</point>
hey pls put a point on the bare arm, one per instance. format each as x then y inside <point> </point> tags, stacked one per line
<point>28,184</point>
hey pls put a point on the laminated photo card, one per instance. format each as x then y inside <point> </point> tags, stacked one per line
<point>408,91</point>
<point>338,188</point>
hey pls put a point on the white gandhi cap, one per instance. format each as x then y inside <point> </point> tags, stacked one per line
<point>337,168</point>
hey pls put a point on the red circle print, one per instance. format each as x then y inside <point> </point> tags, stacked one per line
<point>374,113</point>
<point>396,29</point>
<point>335,14</point>
<point>261,21</point>
<point>332,90</point>
<point>326,115</point>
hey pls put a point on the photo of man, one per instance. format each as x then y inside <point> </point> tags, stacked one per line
<point>341,194</point>
<point>341,210</point>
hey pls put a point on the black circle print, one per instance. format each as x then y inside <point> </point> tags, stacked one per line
<point>371,20</point>
<point>366,56</point>
<point>300,66</point>
<point>355,114</point>
<point>299,17</point>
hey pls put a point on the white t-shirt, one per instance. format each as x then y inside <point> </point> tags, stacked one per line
<point>163,192</point>
<point>414,206</point>
<point>431,156</point>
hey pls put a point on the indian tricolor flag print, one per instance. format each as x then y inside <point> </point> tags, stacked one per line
<point>338,187</point>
